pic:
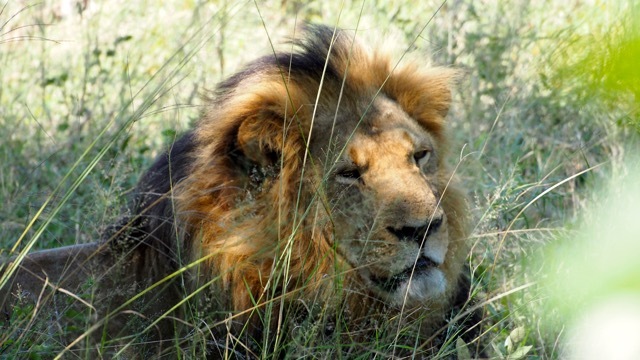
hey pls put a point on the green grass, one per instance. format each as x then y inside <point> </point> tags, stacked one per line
<point>89,96</point>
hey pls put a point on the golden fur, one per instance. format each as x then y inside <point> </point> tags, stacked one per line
<point>316,177</point>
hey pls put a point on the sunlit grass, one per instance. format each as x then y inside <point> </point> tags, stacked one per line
<point>89,96</point>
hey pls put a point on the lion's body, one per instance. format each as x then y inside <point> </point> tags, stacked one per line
<point>315,180</point>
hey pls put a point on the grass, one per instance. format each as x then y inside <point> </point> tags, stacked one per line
<point>89,96</point>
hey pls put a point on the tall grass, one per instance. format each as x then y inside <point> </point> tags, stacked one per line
<point>90,94</point>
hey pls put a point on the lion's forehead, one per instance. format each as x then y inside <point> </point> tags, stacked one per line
<point>392,147</point>
<point>382,130</point>
<point>368,150</point>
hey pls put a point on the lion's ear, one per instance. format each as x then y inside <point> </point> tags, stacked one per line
<point>259,139</point>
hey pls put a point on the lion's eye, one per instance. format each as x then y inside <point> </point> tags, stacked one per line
<point>421,157</point>
<point>348,175</point>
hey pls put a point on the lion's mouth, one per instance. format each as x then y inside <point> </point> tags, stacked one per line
<point>390,284</point>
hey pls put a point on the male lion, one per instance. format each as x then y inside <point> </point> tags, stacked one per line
<point>311,202</point>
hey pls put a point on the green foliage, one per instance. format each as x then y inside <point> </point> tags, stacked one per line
<point>592,275</point>
<point>31,332</point>
<point>597,62</point>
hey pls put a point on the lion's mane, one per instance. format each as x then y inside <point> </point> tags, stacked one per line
<point>244,195</point>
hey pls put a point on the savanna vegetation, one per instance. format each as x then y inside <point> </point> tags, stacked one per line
<point>544,115</point>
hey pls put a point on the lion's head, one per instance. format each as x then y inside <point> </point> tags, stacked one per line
<point>328,162</point>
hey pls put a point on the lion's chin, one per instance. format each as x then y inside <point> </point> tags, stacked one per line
<point>427,285</point>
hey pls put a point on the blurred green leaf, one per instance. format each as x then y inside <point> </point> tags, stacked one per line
<point>520,353</point>
<point>462,350</point>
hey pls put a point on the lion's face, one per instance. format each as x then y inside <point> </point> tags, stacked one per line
<point>385,203</point>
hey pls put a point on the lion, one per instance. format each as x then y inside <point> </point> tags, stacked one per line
<point>314,186</point>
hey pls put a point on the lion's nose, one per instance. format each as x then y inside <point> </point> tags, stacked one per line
<point>417,234</point>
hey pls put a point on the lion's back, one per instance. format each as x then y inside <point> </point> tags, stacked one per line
<point>149,219</point>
